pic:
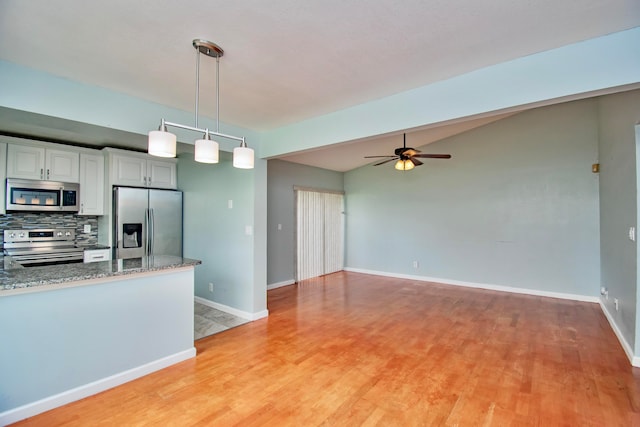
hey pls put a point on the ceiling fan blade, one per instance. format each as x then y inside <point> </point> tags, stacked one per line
<point>385,161</point>
<point>433,156</point>
<point>415,161</point>
<point>376,157</point>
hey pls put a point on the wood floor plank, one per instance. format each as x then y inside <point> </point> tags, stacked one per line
<point>350,349</point>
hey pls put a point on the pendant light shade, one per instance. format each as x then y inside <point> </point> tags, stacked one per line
<point>243,157</point>
<point>404,165</point>
<point>207,150</point>
<point>162,143</point>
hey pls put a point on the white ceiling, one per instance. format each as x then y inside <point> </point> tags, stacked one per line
<point>289,60</point>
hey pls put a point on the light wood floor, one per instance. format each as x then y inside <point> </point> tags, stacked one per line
<point>351,349</point>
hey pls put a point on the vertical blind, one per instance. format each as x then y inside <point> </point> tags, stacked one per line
<point>319,233</point>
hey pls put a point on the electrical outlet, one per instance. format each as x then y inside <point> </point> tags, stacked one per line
<point>415,264</point>
<point>632,234</point>
<point>87,228</point>
<point>210,287</point>
<point>615,302</point>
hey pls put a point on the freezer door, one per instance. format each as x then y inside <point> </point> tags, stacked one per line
<point>130,222</point>
<point>165,209</point>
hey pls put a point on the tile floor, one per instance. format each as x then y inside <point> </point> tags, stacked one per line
<point>209,321</point>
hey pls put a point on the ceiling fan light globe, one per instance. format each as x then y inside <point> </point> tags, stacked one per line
<point>404,165</point>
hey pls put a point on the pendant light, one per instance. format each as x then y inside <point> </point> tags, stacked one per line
<point>243,157</point>
<point>207,150</point>
<point>163,143</point>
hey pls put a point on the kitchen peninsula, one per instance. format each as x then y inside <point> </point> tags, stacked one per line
<point>73,330</point>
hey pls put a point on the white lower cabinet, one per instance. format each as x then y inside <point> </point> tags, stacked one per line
<point>95,255</point>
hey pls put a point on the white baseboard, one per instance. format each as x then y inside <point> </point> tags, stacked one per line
<point>280,284</point>
<point>51,402</point>
<point>525,291</point>
<point>244,314</point>
<point>635,360</point>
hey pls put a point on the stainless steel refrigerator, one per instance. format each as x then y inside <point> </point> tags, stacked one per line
<point>147,222</point>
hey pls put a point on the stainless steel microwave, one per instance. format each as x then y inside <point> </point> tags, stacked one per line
<point>38,196</point>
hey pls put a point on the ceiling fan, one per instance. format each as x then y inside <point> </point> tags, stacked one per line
<point>407,157</point>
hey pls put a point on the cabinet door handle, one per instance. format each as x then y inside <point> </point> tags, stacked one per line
<point>81,207</point>
<point>149,179</point>
<point>144,180</point>
<point>47,173</point>
<point>41,173</point>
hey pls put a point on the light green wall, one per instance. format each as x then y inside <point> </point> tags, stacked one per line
<point>260,237</point>
<point>64,343</point>
<point>618,114</point>
<point>282,177</point>
<point>217,235</point>
<point>516,206</point>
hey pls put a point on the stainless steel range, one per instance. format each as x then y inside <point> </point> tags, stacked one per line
<point>42,246</point>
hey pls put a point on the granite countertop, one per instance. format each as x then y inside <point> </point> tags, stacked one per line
<point>14,277</point>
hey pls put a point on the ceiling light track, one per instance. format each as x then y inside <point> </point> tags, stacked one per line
<point>163,143</point>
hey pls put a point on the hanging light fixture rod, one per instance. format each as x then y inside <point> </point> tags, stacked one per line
<point>195,129</point>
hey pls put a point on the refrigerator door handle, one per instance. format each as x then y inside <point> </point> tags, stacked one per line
<point>151,234</point>
<point>146,231</point>
<point>116,249</point>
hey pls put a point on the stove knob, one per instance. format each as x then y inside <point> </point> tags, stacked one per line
<point>12,235</point>
<point>21,235</point>
<point>68,233</point>
<point>59,234</point>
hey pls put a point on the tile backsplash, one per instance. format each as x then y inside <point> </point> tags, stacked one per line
<point>52,220</point>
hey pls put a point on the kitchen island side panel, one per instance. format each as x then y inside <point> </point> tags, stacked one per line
<point>56,341</point>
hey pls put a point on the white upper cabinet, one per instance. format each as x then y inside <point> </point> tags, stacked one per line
<point>62,166</point>
<point>137,170</point>
<point>161,174</point>
<point>130,171</point>
<point>91,184</point>
<point>25,161</point>
<point>34,162</point>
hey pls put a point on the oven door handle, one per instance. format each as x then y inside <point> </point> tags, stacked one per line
<point>47,257</point>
